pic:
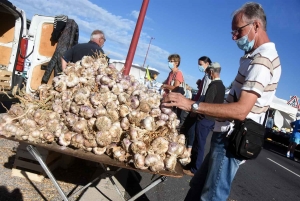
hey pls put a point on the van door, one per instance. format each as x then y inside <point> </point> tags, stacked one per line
<point>40,50</point>
<point>13,28</point>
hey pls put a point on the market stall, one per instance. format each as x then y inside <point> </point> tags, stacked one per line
<point>283,114</point>
<point>92,111</point>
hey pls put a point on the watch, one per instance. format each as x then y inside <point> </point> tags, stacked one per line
<point>195,106</point>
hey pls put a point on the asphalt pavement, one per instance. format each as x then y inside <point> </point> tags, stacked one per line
<point>271,176</point>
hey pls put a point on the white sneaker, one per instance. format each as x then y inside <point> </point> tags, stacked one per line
<point>288,154</point>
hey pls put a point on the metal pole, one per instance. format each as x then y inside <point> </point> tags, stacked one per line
<point>34,152</point>
<point>135,37</point>
<point>147,51</point>
<point>159,180</point>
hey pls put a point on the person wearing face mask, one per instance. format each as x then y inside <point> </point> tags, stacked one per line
<point>174,80</point>
<point>204,124</point>
<point>189,126</point>
<point>203,63</point>
<point>251,94</point>
<point>94,46</point>
<point>175,77</point>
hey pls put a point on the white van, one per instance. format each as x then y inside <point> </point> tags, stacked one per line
<point>25,48</point>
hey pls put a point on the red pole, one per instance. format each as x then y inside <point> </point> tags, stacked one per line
<point>135,37</point>
<point>147,51</point>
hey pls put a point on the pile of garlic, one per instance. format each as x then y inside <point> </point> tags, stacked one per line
<point>94,107</point>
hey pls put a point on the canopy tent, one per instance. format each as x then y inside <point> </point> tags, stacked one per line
<point>284,113</point>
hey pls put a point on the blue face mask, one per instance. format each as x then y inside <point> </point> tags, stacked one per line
<point>244,44</point>
<point>171,65</point>
<point>201,68</point>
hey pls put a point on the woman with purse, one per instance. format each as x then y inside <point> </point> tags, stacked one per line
<point>175,79</point>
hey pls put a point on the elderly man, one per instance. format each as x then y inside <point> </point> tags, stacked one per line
<point>254,87</point>
<point>85,49</point>
<point>204,125</point>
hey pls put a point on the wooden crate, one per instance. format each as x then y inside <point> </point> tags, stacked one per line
<point>26,166</point>
<point>5,79</point>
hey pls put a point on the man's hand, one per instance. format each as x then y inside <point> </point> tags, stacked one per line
<point>178,100</point>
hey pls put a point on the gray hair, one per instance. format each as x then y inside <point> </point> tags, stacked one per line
<point>253,11</point>
<point>97,34</point>
<point>215,70</point>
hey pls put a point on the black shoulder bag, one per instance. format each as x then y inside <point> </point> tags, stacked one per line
<point>247,139</point>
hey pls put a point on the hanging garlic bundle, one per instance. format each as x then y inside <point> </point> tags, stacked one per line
<point>94,107</point>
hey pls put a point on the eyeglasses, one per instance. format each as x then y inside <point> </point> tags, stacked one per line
<point>237,31</point>
<point>104,39</point>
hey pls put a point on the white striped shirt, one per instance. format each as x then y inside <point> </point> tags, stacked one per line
<point>256,76</point>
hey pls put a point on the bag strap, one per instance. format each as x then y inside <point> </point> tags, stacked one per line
<point>266,116</point>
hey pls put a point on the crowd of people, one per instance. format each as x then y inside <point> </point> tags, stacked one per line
<point>252,92</point>
<point>207,112</point>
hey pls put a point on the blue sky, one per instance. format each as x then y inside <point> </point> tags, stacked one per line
<point>190,28</point>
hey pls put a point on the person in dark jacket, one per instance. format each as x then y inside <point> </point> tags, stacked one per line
<point>94,46</point>
<point>205,124</point>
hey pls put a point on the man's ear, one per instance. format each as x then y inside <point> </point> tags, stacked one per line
<point>257,25</point>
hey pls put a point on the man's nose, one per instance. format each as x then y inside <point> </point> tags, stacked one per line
<point>234,37</point>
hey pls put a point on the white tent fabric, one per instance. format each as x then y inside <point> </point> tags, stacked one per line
<point>284,113</point>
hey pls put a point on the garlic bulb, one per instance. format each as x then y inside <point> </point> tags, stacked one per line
<point>156,112</point>
<point>148,123</point>
<point>170,162</point>
<point>100,111</point>
<point>99,150</point>
<point>103,123</point>
<point>126,144</point>
<point>160,145</point>
<point>134,102</point>
<point>103,138</point>
<point>185,161</point>
<point>158,166</point>
<point>125,124</point>
<point>65,138</point>
<point>144,107</point>
<point>77,141</point>
<point>115,131</point>
<point>124,110</point>
<point>138,147</point>
<point>72,80</point>
<point>139,161</point>
<point>181,139</point>
<point>152,159</point>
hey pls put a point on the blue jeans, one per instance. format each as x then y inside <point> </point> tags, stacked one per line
<point>212,182</point>
<point>191,133</point>
<point>203,128</point>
